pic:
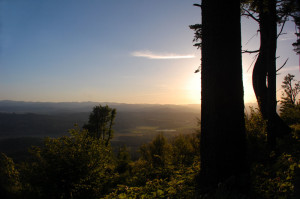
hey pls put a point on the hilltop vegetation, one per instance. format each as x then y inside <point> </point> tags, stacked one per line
<point>137,154</point>
<point>81,165</point>
<point>135,124</point>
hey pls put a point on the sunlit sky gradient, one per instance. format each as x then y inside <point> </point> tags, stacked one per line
<point>133,51</point>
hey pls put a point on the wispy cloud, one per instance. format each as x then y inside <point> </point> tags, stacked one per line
<point>287,36</point>
<point>152,55</point>
<point>289,68</point>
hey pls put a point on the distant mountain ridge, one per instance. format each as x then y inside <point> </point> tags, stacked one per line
<point>26,123</point>
<point>18,118</point>
<point>8,106</point>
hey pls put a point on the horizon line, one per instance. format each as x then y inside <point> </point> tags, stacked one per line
<point>107,102</point>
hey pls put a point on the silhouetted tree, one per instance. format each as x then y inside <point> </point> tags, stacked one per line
<point>265,67</point>
<point>296,17</point>
<point>222,144</point>
<point>270,13</point>
<point>290,91</point>
<point>290,108</point>
<point>100,123</point>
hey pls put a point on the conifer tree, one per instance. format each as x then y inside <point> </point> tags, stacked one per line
<point>100,123</point>
<point>290,108</point>
<point>222,144</point>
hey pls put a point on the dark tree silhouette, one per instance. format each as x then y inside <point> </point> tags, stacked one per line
<point>100,123</point>
<point>296,17</point>
<point>290,91</point>
<point>290,108</point>
<point>9,178</point>
<point>265,66</point>
<point>270,12</point>
<point>222,144</point>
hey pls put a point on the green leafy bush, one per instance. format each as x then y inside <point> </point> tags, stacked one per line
<point>180,185</point>
<point>9,178</point>
<point>277,180</point>
<point>75,166</point>
<point>256,132</point>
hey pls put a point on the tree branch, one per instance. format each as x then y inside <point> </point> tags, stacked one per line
<point>249,14</point>
<point>254,59</point>
<point>252,37</point>
<point>282,65</point>
<point>280,32</point>
<point>198,5</point>
<point>250,51</point>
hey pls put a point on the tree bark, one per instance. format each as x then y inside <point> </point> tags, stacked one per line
<point>264,72</point>
<point>222,117</point>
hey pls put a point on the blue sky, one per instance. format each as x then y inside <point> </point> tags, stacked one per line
<point>134,51</point>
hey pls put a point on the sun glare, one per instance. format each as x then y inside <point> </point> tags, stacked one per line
<point>193,89</point>
<point>249,96</point>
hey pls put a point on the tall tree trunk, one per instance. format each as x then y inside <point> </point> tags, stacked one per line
<point>264,72</point>
<point>222,116</point>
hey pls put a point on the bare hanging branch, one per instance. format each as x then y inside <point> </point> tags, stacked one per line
<point>250,51</point>
<point>282,65</point>
<point>198,5</point>
<point>255,35</point>
<point>280,32</point>
<point>254,59</point>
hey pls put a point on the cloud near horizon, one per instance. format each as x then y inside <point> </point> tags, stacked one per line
<point>290,68</point>
<point>152,55</point>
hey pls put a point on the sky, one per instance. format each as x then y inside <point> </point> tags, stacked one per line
<point>133,51</point>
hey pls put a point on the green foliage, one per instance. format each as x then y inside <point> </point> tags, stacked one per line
<point>290,113</point>
<point>229,189</point>
<point>290,109</point>
<point>161,159</point>
<point>256,132</point>
<point>180,185</point>
<point>255,124</point>
<point>184,150</point>
<point>277,180</point>
<point>142,171</point>
<point>9,178</point>
<point>123,160</point>
<point>82,166</point>
<point>273,173</point>
<point>296,130</point>
<point>75,166</point>
<point>100,123</point>
<point>157,153</point>
<point>290,91</point>
<point>123,166</point>
<point>155,161</point>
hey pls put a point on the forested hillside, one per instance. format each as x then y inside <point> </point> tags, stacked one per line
<point>135,124</point>
<point>20,119</point>
<point>167,166</point>
<point>221,148</point>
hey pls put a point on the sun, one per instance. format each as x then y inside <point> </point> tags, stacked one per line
<point>193,88</point>
<point>249,96</point>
